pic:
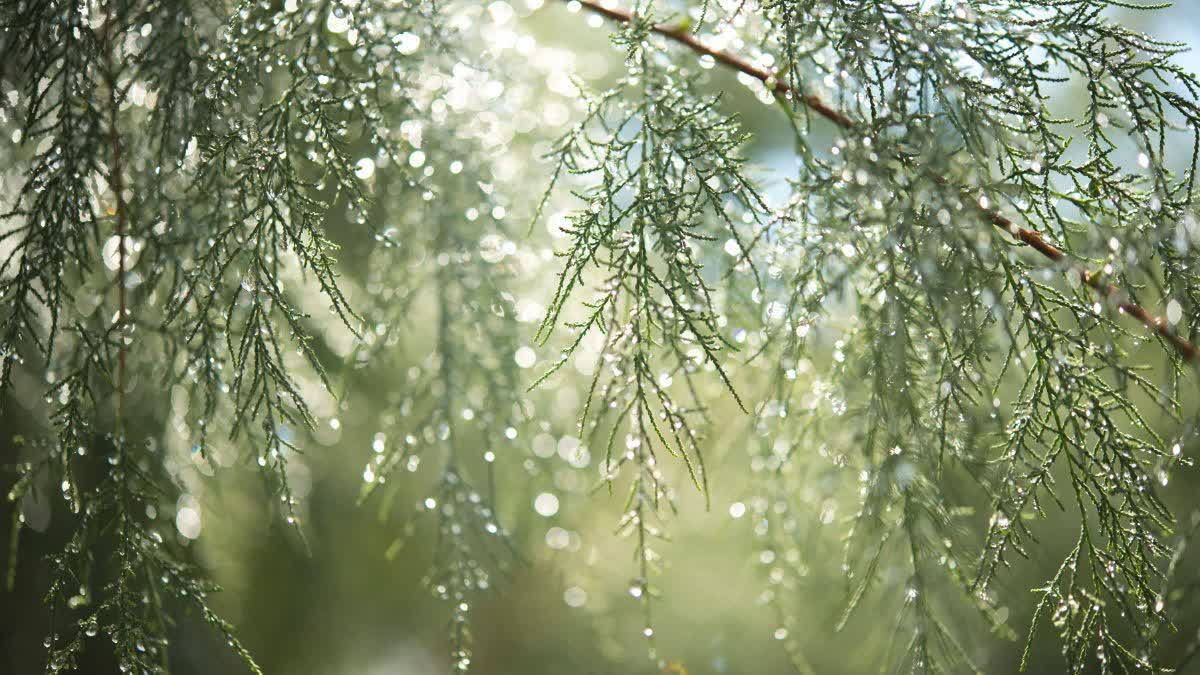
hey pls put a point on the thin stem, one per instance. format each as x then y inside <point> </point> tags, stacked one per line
<point>1096,282</point>
<point>444,277</point>
<point>117,184</point>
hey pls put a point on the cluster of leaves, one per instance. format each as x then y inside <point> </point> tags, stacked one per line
<point>209,254</point>
<point>125,597</point>
<point>951,122</point>
<point>461,404</point>
<point>985,385</point>
<point>264,182</point>
<point>946,121</point>
<point>48,231</point>
<point>664,180</point>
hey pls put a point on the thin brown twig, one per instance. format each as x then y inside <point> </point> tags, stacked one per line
<point>1109,292</point>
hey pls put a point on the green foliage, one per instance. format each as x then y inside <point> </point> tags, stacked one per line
<point>928,338</point>
<point>668,181</point>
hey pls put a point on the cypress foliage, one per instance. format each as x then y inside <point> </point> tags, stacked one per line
<point>970,314</point>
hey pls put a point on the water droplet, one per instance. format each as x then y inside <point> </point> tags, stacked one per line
<point>1174,311</point>
<point>525,357</point>
<point>364,168</point>
<point>407,43</point>
<point>546,504</point>
<point>575,597</point>
<point>337,21</point>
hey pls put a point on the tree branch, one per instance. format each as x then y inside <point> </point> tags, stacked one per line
<point>116,182</point>
<point>1109,292</point>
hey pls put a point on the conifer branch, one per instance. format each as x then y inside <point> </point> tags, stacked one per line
<point>932,390</point>
<point>116,183</point>
<point>1109,292</point>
